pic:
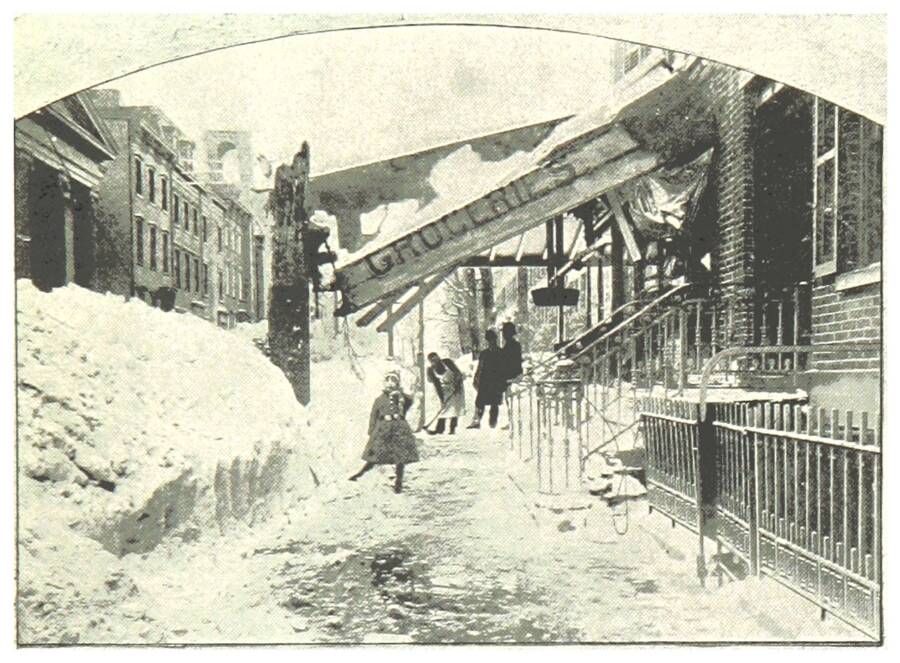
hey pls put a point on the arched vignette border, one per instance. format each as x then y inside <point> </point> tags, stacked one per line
<point>425,24</point>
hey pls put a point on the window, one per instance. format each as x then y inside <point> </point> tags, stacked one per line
<point>165,251</point>
<point>205,279</point>
<point>151,184</point>
<point>139,240</point>
<point>197,274</point>
<point>825,187</point>
<point>187,271</point>
<point>175,207</point>
<point>847,215</point>
<point>176,262</point>
<point>153,247</point>
<point>187,220</point>
<point>221,283</point>
<point>196,223</point>
<point>219,232</point>
<point>138,176</point>
<point>164,192</point>
<point>204,228</point>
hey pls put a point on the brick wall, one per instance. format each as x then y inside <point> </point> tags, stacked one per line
<point>734,256</point>
<point>846,316</point>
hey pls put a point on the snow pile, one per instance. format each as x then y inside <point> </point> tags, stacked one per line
<point>456,180</point>
<point>136,425</point>
<point>330,338</point>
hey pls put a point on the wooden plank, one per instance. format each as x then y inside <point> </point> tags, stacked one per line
<point>413,300</point>
<point>521,246</point>
<point>506,261</point>
<point>379,307</point>
<point>634,251</point>
<point>574,241</point>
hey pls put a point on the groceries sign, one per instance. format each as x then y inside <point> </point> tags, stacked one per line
<point>596,163</point>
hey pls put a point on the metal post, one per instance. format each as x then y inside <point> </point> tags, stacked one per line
<point>422,362</point>
<point>390,333</point>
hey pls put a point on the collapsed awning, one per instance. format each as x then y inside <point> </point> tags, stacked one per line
<point>585,163</point>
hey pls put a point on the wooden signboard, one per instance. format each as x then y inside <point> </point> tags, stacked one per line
<point>599,161</point>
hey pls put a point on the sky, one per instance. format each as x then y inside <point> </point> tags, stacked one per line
<point>366,95</point>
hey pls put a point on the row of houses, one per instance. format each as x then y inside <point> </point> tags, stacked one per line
<point>108,197</point>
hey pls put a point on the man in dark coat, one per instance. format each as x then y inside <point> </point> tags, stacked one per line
<point>512,352</point>
<point>391,440</point>
<point>512,361</point>
<point>490,381</point>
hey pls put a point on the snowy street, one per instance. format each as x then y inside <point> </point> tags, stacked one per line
<point>288,550</point>
<point>460,556</point>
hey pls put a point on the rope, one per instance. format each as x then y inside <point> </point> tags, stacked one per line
<point>352,354</point>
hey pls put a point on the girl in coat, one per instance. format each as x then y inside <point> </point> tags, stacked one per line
<point>391,440</point>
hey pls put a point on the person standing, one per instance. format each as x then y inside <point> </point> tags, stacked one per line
<point>447,379</point>
<point>512,363</point>
<point>490,381</point>
<point>512,352</point>
<point>391,440</point>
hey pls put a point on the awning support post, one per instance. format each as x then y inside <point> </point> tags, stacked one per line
<point>421,358</point>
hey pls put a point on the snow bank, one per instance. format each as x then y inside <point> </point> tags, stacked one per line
<point>135,424</point>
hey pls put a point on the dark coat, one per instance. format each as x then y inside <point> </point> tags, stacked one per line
<point>391,440</point>
<point>490,378</point>
<point>512,359</point>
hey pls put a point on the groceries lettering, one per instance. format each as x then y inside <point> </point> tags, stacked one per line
<point>474,215</point>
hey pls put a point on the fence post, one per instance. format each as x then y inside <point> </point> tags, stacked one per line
<point>704,435</point>
<point>750,438</point>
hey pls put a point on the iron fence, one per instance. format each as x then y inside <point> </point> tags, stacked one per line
<point>799,499</point>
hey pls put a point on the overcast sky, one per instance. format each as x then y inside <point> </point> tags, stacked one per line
<point>365,95</point>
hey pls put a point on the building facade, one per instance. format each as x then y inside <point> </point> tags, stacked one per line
<point>60,155</point>
<point>176,242</point>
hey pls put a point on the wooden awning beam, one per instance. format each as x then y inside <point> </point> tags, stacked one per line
<point>380,307</point>
<point>575,237</point>
<point>410,303</point>
<point>634,251</point>
<point>529,260</point>
<point>521,247</point>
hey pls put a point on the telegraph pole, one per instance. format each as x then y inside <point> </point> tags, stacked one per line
<point>289,304</point>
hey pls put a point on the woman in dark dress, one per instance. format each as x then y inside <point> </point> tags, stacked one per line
<point>391,440</point>
<point>490,381</point>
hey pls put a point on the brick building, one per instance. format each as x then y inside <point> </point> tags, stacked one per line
<point>184,239</point>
